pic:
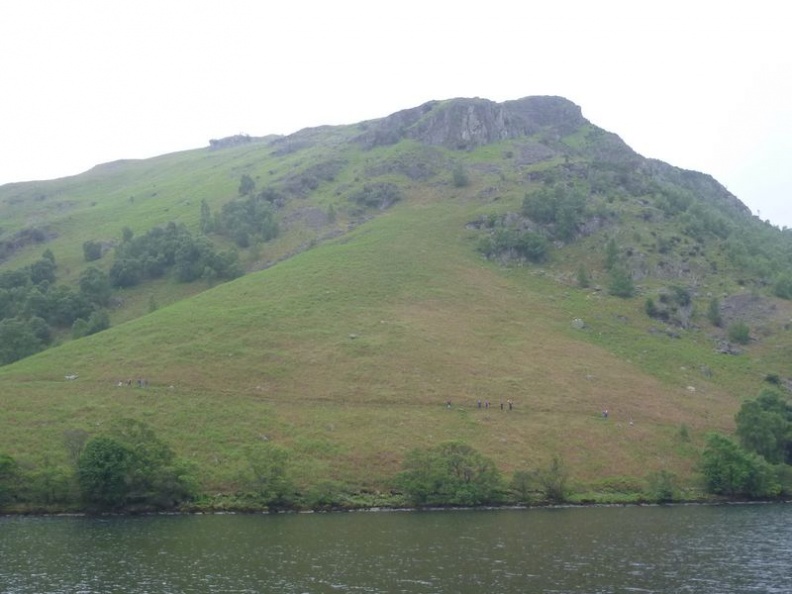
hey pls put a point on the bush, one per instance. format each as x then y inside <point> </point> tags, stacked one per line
<point>92,250</point>
<point>131,466</point>
<point>663,486</point>
<point>764,426</point>
<point>729,470</point>
<point>9,479</point>
<point>714,313</point>
<point>621,283</point>
<point>460,177</point>
<point>379,195</point>
<point>267,476</point>
<point>102,472</point>
<point>524,485</point>
<point>451,473</point>
<point>740,333</point>
<point>553,481</point>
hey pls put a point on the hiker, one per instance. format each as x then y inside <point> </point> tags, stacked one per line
<point>479,403</point>
<point>511,404</point>
<point>486,404</point>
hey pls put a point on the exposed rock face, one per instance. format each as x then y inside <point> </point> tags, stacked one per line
<point>468,123</point>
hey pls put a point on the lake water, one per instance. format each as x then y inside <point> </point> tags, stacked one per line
<point>697,549</point>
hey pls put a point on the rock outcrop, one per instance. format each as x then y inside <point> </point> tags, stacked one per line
<point>468,123</point>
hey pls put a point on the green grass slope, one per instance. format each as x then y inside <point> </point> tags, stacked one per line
<point>347,353</point>
<point>351,332</point>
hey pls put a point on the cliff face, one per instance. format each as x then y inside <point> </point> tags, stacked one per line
<point>468,123</point>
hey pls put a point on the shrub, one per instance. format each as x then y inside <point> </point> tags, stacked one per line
<point>764,426</point>
<point>713,312</point>
<point>621,283</point>
<point>92,250</point>
<point>524,484</point>
<point>553,481</point>
<point>663,486</point>
<point>9,479</point>
<point>460,177</point>
<point>730,470</point>
<point>267,476</point>
<point>740,333</point>
<point>451,473</point>
<point>131,466</point>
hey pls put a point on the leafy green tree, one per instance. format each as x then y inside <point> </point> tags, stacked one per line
<point>713,312</point>
<point>95,286</point>
<point>207,222</point>
<point>783,286</point>
<point>126,272</point>
<point>378,195</point>
<point>451,473</point>
<point>246,185</point>
<point>99,320</point>
<point>92,250</point>
<point>611,254</point>
<point>663,486</point>
<point>730,470</point>
<point>42,270</point>
<point>268,476</point>
<point>583,277</point>
<point>553,481</point>
<point>17,340</point>
<point>156,477</point>
<point>9,479</point>
<point>764,426</point>
<point>131,466</point>
<point>103,472</point>
<point>524,484</point>
<point>621,283</point>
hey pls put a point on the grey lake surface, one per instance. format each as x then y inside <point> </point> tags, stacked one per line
<point>697,549</point>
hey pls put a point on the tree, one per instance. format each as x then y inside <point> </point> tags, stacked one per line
<point>554,481</point>
<point>131,466</point>
<point>764,426</point>
<point>451,473</point>
<point>126,272</point>
<point>621,283</point>
<point>103,472</point>
<point>42,270</point>
<point>611,254</point>
<point>9,479</point>
<point>714,313</point>
<point>730,470</point>
<point>95,286</point>
<point>92,250</point>
<point>583,278</point>
<point>17,340</point>
<point>207,222</point>
<point>246,185</point>
<point>268,475</point>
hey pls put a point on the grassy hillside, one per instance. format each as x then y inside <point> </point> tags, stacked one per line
<point>346,347</point>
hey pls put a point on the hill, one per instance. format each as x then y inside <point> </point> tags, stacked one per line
<point>457,252</point>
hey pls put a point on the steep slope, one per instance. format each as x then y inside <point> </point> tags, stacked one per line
<point>378,306</point>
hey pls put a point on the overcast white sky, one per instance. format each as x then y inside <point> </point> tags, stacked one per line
<point>701,85</point>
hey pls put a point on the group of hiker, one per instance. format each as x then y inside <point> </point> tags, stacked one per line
<point>486,404</point>
<point>141,383</point>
